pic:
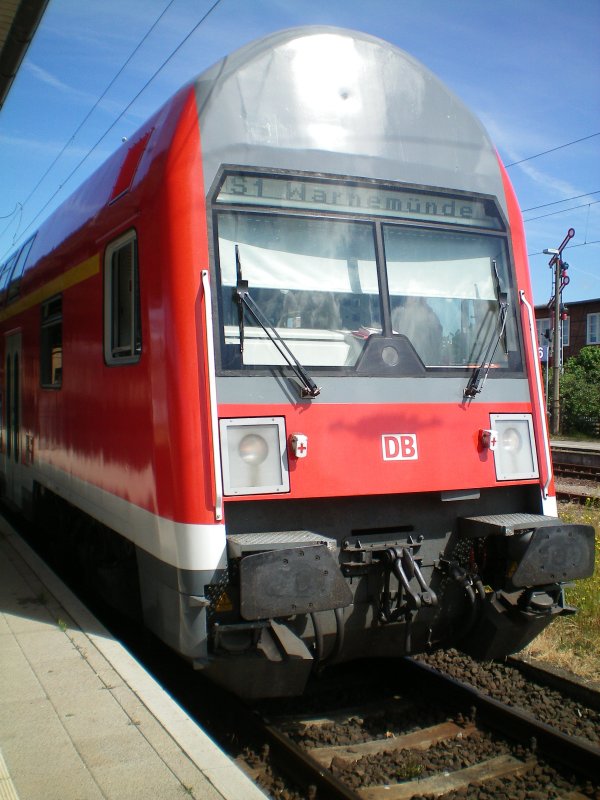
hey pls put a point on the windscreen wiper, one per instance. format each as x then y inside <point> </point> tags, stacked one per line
<point>480,373</point>
<point>244,300</point>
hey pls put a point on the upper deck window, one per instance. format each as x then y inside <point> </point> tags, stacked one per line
<point>6,271</point>
<point>19,268</point>
<point>122,330</point>
<point>12,271</point>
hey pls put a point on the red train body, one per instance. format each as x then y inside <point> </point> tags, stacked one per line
<point>273,367</point>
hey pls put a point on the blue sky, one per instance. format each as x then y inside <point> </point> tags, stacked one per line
<point>530,69</point>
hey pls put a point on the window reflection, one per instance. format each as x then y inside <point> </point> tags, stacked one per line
<point>315,280</point>
<point>444,293</point>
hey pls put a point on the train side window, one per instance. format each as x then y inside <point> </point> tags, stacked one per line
<point>19,268</point>
<point>51,344</point>
<point>6,271</point>
<point>122,329</point>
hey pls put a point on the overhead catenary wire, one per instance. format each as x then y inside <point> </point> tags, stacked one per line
<point>18,209</point>
<point>153,76</point>
<point>571,246</point>
<point>12,213</point>
<point>557,202</point>
<point>120,116</point>
<point>571,208</point>
<point>563,211</point>
<point>20,206</point>
<point>99,100</point>
<point>584,244</point>
<point>552,150</point>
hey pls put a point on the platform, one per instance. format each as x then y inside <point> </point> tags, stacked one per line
<point>80,718</point>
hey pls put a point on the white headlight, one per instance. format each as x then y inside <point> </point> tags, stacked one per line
<point>253,449</point>
<point>254,455</point>
<point>510,440</point>
<point>515,456</point>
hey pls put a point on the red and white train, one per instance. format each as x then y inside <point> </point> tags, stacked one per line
<point>273,369</point>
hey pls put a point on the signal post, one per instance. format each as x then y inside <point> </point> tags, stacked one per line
<point>559,266</point>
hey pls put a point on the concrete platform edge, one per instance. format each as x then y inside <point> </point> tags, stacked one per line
<point>218,768</point>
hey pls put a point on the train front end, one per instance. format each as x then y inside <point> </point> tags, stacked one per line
<point>380,452</point>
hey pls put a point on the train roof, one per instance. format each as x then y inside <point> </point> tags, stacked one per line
<point>310,99</point>
<point>325,99</point>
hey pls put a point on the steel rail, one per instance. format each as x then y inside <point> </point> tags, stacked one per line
<point>304,768</point>
<point>584,471</point>
<point>555,678</point>
<point>578,754</point>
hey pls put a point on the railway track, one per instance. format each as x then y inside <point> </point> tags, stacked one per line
<point>550,695</point>
<point>441,738</point>
<point>394,729</point>
<point>581,464</point>
<point>572,490</point>
<point>585,472</point>
<point>577,473</point>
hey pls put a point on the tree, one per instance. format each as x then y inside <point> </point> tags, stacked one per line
<point>580,392</point>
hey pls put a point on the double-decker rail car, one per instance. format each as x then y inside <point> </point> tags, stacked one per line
<point>272,369</point>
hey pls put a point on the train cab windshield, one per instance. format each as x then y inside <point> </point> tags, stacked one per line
<point>331,267</point>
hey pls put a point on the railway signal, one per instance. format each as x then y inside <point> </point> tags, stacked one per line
<point>560,281</point>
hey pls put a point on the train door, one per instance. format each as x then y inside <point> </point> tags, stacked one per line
<point>11,456</point>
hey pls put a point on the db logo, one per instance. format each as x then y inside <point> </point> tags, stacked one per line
<point>399,447</point>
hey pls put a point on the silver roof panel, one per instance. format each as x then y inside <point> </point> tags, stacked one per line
<point>323,99</point>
